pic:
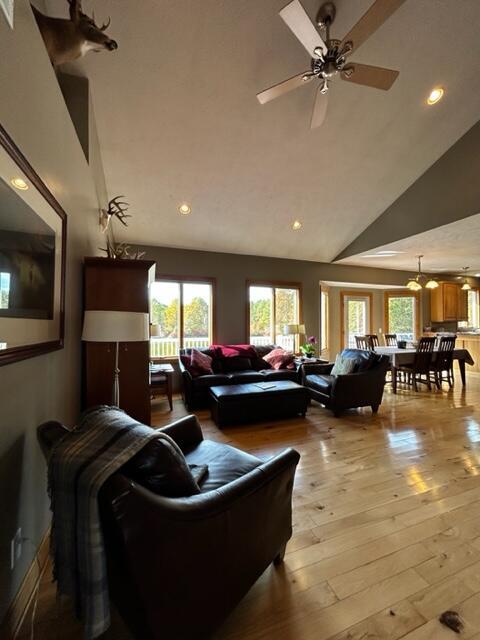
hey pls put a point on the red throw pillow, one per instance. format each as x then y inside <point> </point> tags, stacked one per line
<point>280,359</point>
<point>233,350</point>
<point>200,363</point>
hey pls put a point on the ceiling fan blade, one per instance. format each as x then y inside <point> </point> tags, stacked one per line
<point>319,109</point>
<point>295,17</point>
<point>372,20</point>
<point>375,77</point>
<point>283,87</point>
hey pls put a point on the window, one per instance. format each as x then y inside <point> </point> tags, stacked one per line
<point>356,316</point>
<point>270,308</point>
<point>4,290</point>
<point>402,315</point>
<point>324,321</point>
<point>181,313</point>
<point>473,308</point>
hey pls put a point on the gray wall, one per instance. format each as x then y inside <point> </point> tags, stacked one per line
<point>33,112</point>
<point>231,272</point>
<point>448,191</point>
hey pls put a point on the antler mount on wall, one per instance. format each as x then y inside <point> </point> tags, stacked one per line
<point>329,56</point>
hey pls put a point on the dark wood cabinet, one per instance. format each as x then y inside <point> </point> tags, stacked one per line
<point>448,303</point>
<point>118,285</point>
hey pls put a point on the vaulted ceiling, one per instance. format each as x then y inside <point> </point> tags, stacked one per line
<point>179,121</point>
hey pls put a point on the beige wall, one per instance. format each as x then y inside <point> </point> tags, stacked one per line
<point>33,112</point>
<point>335,320</point>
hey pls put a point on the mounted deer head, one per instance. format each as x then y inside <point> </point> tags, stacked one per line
<point>67,40</point>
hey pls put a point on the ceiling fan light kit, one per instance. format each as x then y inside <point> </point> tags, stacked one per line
<point>329,55</point>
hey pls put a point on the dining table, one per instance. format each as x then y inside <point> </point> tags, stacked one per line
<point>399,357</point>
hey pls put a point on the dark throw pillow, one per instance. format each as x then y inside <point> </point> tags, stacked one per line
<point>161,467</point>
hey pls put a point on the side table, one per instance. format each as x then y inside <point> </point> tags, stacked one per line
<point>161,381</point>
<point>302,365</point>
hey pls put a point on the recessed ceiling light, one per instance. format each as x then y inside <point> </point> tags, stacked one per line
<point>296,225</point>
<point>435,95</point>
<point>19,183</point>
<point>185,209</point>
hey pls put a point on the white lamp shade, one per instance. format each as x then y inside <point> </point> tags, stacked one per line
<point>115,326</point>
<point>301,329</point>
<point>290,329</point>
<point>155,330</point>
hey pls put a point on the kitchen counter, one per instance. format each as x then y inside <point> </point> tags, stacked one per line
<point>471,342</point>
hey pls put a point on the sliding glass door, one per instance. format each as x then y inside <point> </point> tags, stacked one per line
<point>356,311</point>
<point>270,308</point>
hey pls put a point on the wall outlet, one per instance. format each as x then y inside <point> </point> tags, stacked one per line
<point>15,548</point>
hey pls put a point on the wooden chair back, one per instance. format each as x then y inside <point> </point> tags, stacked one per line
<point>390,339</point>
<point>363,342</point>
<point>444,355</point>
<point>423,355</point>
<point>374,341</point>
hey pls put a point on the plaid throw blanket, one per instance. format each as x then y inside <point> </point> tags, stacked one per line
<point>105,439</point>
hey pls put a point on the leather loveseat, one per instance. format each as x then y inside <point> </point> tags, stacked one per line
<point>178,566</point>
<point>361,388</point>
<point>230,370</point>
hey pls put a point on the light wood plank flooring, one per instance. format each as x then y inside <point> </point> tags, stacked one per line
<point>386,525</point>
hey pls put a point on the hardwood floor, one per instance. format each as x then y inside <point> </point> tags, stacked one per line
<point>386,525</point>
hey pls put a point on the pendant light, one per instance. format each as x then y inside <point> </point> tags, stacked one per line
<point>416,283</point>
<point>465,285</point>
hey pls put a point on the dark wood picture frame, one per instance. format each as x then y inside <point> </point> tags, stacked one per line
<point>22,352</point>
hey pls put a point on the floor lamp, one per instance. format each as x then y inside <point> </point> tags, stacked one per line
<point>294,330</point>
<point>115,326</point>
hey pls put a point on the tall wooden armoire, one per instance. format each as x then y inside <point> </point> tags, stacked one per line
<point>118,285</point>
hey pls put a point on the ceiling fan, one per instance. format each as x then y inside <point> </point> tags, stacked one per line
<point>329,56</point>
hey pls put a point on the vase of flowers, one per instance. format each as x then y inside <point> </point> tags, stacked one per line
<point>308,349</point>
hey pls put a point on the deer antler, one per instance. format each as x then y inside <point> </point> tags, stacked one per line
<point>75,9</point>
<point>117,208</point>
<point>105,26</point>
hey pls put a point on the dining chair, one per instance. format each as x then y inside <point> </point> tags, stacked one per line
<point>374,341</point>
<point>363,342</point>
<point>421,365</point>
<point>443,362</point>
<point>390,339</point>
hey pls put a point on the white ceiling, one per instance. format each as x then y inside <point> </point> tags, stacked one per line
<point>447,248</point>
<point>360,285</point>
<point>178,120</point>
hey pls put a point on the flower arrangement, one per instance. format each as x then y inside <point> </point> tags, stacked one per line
<point>308,349</point>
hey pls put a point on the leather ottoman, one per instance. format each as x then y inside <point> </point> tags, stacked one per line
<point>238,403</point>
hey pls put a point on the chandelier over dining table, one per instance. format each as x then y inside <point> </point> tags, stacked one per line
<point>421,280</point>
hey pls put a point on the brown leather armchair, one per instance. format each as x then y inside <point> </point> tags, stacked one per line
<point>362,388</point>
<point>178,566</point>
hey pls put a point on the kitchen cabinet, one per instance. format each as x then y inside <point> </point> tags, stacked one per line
<point>448,303</point>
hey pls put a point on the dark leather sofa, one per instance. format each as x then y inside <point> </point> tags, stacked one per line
<point>362,388</point>
<point>233,370</point>
<point>178,566</point>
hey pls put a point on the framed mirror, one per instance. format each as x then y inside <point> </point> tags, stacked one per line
<point>33,228</point>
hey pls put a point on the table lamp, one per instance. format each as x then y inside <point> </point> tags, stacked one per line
<point>294,330</point>
<point>115,326</point>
